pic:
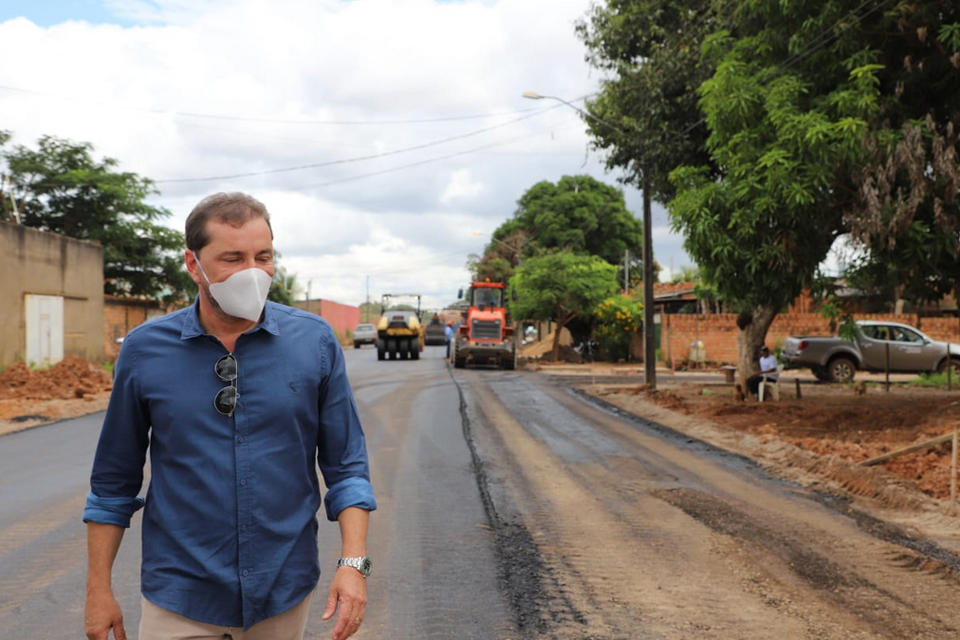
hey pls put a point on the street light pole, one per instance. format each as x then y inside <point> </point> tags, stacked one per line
<point>649,346</point>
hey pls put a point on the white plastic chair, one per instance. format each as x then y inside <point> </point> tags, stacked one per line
<point>773,382</point>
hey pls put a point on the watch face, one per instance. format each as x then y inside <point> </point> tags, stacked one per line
<point>366,566</point>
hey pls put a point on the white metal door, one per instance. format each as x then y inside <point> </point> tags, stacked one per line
<point>44,330</point>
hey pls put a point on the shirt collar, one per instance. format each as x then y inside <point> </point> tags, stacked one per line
<point>192,327</point>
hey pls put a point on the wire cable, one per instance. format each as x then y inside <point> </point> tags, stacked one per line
<point>375,156</point>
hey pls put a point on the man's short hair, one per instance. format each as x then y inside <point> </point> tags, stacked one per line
<point>232,208</point>
<point>764,349</point>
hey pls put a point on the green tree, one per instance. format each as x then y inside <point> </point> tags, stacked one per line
<point>578,214</point>
<point>561,287</point>
<point>284,286</point>
<point>63,189</point>
<point>646,115</point>
<point>786,152</point>
<point>809,109</point>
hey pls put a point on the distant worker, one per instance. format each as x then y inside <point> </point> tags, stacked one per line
<point>448,336</point>
<point>768,367</point>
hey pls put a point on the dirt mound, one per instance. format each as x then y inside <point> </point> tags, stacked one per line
<point>72,377</point>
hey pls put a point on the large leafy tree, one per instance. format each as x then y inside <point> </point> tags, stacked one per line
<point>805,107</point>
<point>579,215</point>
<point>908,217</point>
<point>646,115</point>
<point>61,188</point>
<point>785,152</point>
<point>561,287</point>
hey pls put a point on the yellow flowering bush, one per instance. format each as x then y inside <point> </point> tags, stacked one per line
<point>617,318</point>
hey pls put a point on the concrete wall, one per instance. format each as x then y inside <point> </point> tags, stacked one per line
<point>342,317</point>
<point>40,263</point>
<point>718,332</point>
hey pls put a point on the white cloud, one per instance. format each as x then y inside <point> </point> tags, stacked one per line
<point>381,133</point>
<point>460,187</point>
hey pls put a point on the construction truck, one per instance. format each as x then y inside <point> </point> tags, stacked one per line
<point>486,335</point>
<point>399,331</point>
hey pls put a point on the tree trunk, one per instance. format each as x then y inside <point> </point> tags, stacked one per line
<point>556,341</point>
<point>753,326</point>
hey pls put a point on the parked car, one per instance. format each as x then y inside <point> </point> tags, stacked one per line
<point>364,334</point>
<point>880,346</point>
<point>435,333</point>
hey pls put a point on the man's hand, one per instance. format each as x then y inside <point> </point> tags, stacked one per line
<point>103,613</point>
<point>348,592</point>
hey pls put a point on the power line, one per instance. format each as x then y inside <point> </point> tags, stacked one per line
<point>420,163</point>
<point>375,156</point>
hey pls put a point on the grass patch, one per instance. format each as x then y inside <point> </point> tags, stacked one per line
<point>935,381</point>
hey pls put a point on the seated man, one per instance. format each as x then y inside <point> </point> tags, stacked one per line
<point>768,366</point>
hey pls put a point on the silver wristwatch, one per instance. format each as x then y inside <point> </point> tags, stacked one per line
<point>364,565</point>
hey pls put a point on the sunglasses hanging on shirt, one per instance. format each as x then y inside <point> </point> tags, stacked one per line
<point>225,402</point>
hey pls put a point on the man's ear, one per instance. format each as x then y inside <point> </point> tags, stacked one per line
<point>190,262</point>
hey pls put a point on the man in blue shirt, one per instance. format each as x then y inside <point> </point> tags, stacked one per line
<point>237,401</point>
<point>448,336</point>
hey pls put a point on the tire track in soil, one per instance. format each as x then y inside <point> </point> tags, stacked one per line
<point>887,613</point>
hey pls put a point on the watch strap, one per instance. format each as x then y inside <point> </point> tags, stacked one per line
<point>361,564</point>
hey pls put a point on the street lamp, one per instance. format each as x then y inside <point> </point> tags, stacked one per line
<point>649,349</point>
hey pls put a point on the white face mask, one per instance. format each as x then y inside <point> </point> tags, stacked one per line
<point>243,294</point>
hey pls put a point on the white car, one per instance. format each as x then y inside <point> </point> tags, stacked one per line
<point>364,334</point>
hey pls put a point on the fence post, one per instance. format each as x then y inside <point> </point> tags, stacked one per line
<point>886,365</point>
<point>953,469</point>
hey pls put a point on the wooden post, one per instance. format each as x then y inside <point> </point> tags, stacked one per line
<point>914,447</point>
<point>953,467</point>
<point>949,369</point>
<point>797,380</point>
<point>886,366</point>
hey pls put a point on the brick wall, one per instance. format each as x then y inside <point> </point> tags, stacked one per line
<point>718,332</point>
<point>121,315</point>
<point>946,329</point>
<point>342,317</point>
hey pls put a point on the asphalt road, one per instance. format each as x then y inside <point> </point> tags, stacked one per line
<point>512,508</point>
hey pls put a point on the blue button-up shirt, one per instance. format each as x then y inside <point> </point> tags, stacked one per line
<point>229,522</point>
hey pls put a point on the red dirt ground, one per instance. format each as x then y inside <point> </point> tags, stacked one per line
<point>833,419</point>
<point>71,388</point>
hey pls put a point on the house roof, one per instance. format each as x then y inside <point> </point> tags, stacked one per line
<point>674,291</point>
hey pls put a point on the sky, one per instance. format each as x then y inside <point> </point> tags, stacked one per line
<point>387,138</point>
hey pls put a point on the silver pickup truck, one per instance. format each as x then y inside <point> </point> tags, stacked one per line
<point>838,360</point>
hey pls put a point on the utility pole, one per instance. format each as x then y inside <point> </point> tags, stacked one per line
<point>626,270</point>
<point>649,346</point>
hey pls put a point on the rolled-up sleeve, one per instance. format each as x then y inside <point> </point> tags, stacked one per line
<point>117,476</point>
<point>341,445</point>
<point>116,511</point>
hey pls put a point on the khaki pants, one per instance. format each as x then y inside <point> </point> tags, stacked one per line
<point>156,623</point>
